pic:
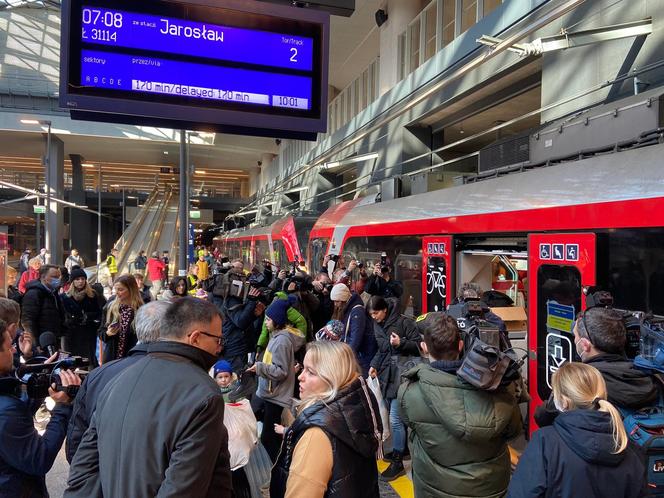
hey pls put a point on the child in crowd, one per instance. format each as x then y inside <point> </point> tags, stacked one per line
<point>225,378</point>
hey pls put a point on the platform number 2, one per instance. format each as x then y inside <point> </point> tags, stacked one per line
<point>293,55</point>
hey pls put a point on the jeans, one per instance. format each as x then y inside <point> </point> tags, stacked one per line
<point>398,428</point>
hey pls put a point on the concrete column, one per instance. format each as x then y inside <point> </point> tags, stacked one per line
<point>254,180</point>
<point>399,14</point>
<point>79,221</point>
<point>56,178</point>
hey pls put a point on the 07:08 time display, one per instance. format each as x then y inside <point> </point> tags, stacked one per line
<point>102,24</point>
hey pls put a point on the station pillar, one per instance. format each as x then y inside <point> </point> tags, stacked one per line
<point>56,185</point>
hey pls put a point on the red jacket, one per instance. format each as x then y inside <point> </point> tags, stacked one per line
<point>26,277</point>
<point>156,269</point>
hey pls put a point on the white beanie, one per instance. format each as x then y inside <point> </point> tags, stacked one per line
<point>340,292</point>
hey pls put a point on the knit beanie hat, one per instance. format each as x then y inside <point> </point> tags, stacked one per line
<point>332,331</point>
<point>77,273</point>
<point>277,311</point>
<point>340,292</point>
<point>222,366</point>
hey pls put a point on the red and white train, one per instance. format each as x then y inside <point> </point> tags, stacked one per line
<point>540,236</point>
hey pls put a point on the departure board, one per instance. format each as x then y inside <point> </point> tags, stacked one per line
<point>265,67</point>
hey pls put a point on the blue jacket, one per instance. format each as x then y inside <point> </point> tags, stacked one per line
<point>574,457</point>
<point>237,321</point>
<point>25,456</point>
<point>359,331</point>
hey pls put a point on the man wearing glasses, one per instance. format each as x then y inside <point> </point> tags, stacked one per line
<point>600,340</point>
<point>159,426</point>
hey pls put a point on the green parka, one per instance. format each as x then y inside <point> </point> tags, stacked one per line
<point>458,433</point>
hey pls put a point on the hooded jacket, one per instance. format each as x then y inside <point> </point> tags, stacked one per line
<point>158,430</point>
<point>293,315</point>
<point>390,361</point>
<point>359,331</point>
<point>352,423</point>
<point>238,317</point>
<point>626,387</point>
<point>459,433</point>
<point>575,457</point>
<point>41,310</point>
<point>276,377</point>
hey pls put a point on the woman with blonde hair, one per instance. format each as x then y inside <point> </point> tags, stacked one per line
<point>117,323</point>
<point>586,452</point>
<point>330,449</point>
<point>83,309</point>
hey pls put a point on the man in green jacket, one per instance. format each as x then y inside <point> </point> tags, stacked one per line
<point>458,433</point>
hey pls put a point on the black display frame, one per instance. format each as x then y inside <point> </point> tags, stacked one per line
<point>121,106</point>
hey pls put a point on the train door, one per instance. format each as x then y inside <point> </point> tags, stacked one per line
<point>436,273</point>
<point>560,265</point>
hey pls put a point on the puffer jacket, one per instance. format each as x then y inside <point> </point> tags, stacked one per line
<point>575,457</point>
<point>359,331</point>
<point>459,433</point>
<point>352,423</point>
<point>41,310</point>
<point>389,361</point>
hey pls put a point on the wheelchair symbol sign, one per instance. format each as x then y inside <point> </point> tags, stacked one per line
<point>545,251</point>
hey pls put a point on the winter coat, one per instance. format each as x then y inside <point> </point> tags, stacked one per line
<point>626,386</point>
<point>25,456</point>
<point>294,317</point>
<point>41,310</point>
<point>23,262</point>
<point>140,262</point>
<point>146,296</point>
<point>237,318</point>
<point>276,376</point>
<point>352,423</point>
<point>378,286</point>
<point>110,349</point>
<point>158,430</point>
<point>359,331</point>
<point>459,433</point>
<point>389,361</point>
<point>575,457</point>
<point>82,320</point>
<point>73,261</point>
<point>86,398</point>
<point>155,270</point>
<point>28,276</point>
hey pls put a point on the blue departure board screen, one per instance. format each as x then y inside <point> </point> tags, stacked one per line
<point>198,63</point>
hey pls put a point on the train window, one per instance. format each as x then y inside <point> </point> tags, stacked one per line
<point>630,265</point>
<point>405,256</point>
<point>318,252</point>
<point>262,249</point>
<point>280,256</point>
<point>558,302</point>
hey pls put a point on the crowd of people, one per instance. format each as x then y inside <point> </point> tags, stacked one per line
<point>319,368</point>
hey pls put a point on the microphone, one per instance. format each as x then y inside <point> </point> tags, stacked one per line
<point>48,342</point>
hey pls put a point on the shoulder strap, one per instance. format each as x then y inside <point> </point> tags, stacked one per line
<point>348,321</point>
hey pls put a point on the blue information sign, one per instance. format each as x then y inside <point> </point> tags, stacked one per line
<point>559,316</point>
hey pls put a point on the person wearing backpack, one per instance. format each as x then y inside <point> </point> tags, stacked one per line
<point>600,338</point>
<point>586,452</point>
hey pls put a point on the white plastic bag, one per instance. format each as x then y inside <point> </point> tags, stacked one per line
<point>374,385</point>
<point>240,422</point>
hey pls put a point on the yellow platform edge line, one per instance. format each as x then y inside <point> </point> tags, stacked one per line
<point>403,486</point>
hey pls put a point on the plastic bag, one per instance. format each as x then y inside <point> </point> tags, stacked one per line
<point>374,385</point>
<point>240,422</point>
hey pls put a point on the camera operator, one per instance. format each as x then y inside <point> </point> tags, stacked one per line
<point>322,286</point>
<point>300,285</point>
<point>238,319</point>
<point>380,283</point>
<point>25,456</point>
<point>354,276</point>
<point>470,291</point>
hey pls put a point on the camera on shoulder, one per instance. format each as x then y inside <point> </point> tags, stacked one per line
<point>38,377</point>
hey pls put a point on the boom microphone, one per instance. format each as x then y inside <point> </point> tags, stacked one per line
<point>48,342</point>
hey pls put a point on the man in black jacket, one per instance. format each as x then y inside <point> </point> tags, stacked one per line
<point>600,338</point>
<point>41,305</point>
<point>238,321</point>
<point>148,328</point>
<point>158,428</point>
<point>381,283</point>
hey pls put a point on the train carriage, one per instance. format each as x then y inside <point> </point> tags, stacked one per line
<point>539,236</point>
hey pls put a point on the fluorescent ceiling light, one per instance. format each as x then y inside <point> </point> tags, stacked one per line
<point>30,121</point>
<point>200,172</point>
<point>88,165</point>
<point>350,160</point>
<point>115,186</point>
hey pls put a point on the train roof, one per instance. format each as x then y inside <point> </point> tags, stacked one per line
<point>628,175</point>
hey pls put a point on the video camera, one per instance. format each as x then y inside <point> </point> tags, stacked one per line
<point>38,377</point>
<point>488,360</point>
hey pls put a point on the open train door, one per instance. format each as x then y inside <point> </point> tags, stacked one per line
<point>436,273</point>
<point>559,266</point>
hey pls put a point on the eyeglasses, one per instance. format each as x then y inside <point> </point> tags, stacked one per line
<point>219,338</point>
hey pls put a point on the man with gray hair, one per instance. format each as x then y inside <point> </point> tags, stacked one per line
<point>148,326</point>
<point>158,428</point>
